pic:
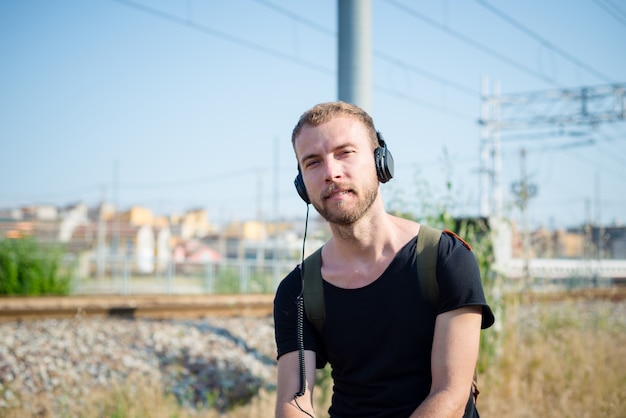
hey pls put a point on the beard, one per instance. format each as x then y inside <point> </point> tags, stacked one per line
<point>335,213</point>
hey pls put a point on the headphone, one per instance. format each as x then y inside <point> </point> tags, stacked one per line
<point>382,159</point>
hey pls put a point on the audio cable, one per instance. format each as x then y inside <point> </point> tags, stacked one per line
<point>300,323</point>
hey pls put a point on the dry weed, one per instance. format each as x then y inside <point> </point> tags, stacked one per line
<point>566,360</point>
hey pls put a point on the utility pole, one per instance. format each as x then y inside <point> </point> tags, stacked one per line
<point>275,204</point>
<point>485,115</point>
<point>116,233</point>
<point>491,203</point>
<point>259,195</point>
<point>100,251</point>
<point>260,248</point>
<point>524,191</point>
<point>600,234</point>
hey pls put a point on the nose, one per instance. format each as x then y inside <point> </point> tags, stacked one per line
<point>332,170</point>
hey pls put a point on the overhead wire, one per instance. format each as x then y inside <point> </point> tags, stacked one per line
<point>296,17</point>
<point>427,74</point>
<point>378,53</point>
<point>616,157</point>
<point>198,180</point>
<point>441,80</point>
<point>481,47</point>
<point>515,23</point>
<point>410,99</point>
<point>53,195</point>
<point>386,57</point>
<point>382,55</point>
<point>227,37</point>
<point>613,10</point>
<point>604,167</point>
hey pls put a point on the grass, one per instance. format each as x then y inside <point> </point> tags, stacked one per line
<point>562,358</point>
<point>134,399</point>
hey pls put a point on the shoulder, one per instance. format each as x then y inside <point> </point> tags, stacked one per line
<point>456,263</point>
<point>289,288</point>
<point>451,243</point>
<point>457,238</point>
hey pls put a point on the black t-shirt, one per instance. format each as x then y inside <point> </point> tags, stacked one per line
<point>378,338</point>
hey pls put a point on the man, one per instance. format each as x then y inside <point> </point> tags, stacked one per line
<point>392,354</point>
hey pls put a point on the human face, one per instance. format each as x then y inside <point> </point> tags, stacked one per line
<point>337,164</point>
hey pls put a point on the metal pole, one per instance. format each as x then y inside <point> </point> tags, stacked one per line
<point>497,156</point>
<point>355,52</point>
<point>485,168</point>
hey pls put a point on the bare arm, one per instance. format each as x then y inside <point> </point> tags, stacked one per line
<point>289,384</point>
<point>453,358</point>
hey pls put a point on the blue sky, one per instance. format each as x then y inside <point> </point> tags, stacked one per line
<point>178,104</point>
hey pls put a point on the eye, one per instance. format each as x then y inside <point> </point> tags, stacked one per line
<point>346,152</point>
<point>311,163</point>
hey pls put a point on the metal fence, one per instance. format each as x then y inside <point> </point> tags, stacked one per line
<point>126,275</point>
<point>132,275</point>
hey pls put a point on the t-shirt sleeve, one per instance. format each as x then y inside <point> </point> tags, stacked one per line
<point>459,279</point>
<point>286,319</point>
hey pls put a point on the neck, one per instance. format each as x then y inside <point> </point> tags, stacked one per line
<point>371,233</point>
<point>376,234</point>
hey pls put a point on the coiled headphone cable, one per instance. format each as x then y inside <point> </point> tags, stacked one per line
<point>300,324</point>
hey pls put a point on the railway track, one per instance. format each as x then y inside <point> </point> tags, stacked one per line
<point>135,306</point>
<point>198,306</point>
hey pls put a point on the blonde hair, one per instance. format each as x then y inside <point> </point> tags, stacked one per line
<point>324,112</point>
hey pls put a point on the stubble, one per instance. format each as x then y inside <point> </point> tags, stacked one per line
<point>339,214</point>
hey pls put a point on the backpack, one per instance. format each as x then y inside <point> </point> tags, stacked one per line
<point>427,248</point>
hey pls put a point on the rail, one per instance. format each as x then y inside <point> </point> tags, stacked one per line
<point>199,306</point>
<point>135,306</point>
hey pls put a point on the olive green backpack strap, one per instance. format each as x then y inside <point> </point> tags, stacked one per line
<point>427,247</point>
<point>313,291</point>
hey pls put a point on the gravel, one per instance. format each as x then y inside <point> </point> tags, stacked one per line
<point>221,360</point>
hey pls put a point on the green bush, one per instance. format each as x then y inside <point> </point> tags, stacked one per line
<point>30,268</point>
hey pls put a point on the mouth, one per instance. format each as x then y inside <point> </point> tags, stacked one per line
<point>336,193</point>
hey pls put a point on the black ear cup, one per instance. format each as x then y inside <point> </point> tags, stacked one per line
<point>300,188</point>
<point>382,159</point>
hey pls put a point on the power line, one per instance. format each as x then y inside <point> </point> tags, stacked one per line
<point>260,48</point>
<point>297,18</point>
<point>53,195</point>
<point>612,10</point>
<point>188,182</point>
<point>595,164</point>
<point>225,36</point>
<point>543,41</point>
<point>380,54</point>
<point>588,142</point>
<point>420,102</point>
<point>427,74</point>
<point>474,43</point>
<point>610,153</point>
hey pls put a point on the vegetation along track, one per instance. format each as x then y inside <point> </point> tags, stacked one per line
<point>135,306</point>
